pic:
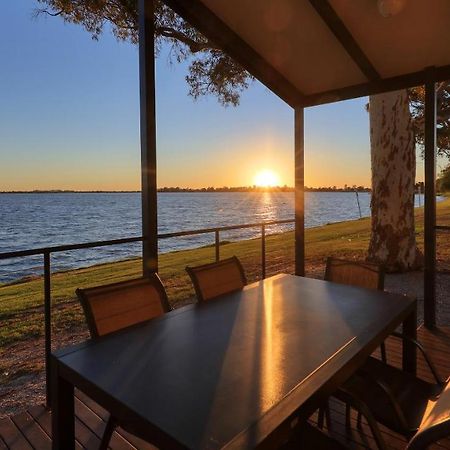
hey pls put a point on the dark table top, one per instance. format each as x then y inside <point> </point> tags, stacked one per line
<point>228,371</point>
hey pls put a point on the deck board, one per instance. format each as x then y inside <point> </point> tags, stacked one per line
<point>31,430</point>
<point>12,436</point>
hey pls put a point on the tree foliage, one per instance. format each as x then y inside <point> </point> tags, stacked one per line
<point>443,182</point>
<point>210,70</point>
<point>417,107</point>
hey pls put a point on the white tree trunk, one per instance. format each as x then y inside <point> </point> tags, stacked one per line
<point>393,157</point>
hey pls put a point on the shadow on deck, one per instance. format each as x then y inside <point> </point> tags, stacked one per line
<point>32,429</point>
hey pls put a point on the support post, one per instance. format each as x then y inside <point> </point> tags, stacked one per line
<point>430,203</point>
<point>217,245</point>
<point>263,251</point>
<point>48,327</point>
<point>148,137</point>
<point>299,192</point>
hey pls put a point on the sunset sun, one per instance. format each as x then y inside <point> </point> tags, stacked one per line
<point>266,178</point>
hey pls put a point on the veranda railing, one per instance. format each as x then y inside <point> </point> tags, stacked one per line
<point>46,253</point>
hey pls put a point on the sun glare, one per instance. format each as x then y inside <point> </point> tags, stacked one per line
<point>266,178</point>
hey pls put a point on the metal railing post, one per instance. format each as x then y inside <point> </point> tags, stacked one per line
<point>217,245</point>
<point>48,325</point>
<point>263,250</point>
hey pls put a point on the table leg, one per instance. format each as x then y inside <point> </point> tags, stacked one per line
<point>409,349</point>
<point>63,419</point>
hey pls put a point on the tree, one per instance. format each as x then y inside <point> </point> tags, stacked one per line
<point>393,158</point>
<point>417,109</point>
<point>396,127</point>
<point>397,119</point>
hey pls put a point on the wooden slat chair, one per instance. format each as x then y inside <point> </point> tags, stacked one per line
<point>370,276</point>
<point>116,306</point>
<point>218,278</point>
<point>356,273</point>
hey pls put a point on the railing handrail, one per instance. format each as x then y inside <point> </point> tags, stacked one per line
<point>442,227</point>
<point>67,247</point>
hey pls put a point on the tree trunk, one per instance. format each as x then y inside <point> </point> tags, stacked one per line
<point>393,157</point>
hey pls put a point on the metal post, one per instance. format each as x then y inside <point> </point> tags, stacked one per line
<point>48,326</point>
<point>263,250</point>
<point>217,242</point>
<point>359,205</point>
<point>409,350</point>
<point>299,193</point>
<point>148,136</point>
<point>430,204</point>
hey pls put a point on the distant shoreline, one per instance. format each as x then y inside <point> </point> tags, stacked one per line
<point>200,190</point>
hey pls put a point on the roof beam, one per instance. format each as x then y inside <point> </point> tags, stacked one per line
<point>340,31</point>
<point>378,87</point>
<point>213,28</point>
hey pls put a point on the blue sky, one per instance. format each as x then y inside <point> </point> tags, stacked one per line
<point>69,119</point>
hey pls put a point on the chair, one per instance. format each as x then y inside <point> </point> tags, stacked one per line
<point>433,425</point>
<point>356,273</point>
<point>390,396</point>
<point>378,390</point>
<point>218,278</point>
<point>116,306</point>
<point>422,416</point>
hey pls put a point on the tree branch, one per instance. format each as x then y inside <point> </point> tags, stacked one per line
<point>194,46</point>
<point>40,11</point>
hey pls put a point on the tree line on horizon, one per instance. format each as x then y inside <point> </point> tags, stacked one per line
<point>443,185</point>
<point>254,188</point>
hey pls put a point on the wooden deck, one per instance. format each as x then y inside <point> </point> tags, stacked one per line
<point>32,429</point>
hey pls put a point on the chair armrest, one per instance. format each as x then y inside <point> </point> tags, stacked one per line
<point>389,395</point>
<point>430,364</point>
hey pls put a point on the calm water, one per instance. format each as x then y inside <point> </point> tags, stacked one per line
<point>39,220</point>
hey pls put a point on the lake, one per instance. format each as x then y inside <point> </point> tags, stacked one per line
<point>40,220</point>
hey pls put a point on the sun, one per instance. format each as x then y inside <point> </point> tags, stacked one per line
<point>266,178</point>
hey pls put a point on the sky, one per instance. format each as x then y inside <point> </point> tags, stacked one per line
<point>69,119</point>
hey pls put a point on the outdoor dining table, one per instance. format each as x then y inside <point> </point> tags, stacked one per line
<point>232,372</point>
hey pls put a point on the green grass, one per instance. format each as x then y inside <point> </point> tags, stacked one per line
<point>21,310</point>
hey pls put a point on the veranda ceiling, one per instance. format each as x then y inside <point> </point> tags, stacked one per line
<point>316,51</point>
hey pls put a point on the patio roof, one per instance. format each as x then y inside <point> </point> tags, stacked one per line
<point>311,52</point>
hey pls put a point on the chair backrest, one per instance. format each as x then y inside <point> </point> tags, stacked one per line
<point>115,306</point>
<point>216,279</point>
<point>355,273</point>
<point>435,423</point>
